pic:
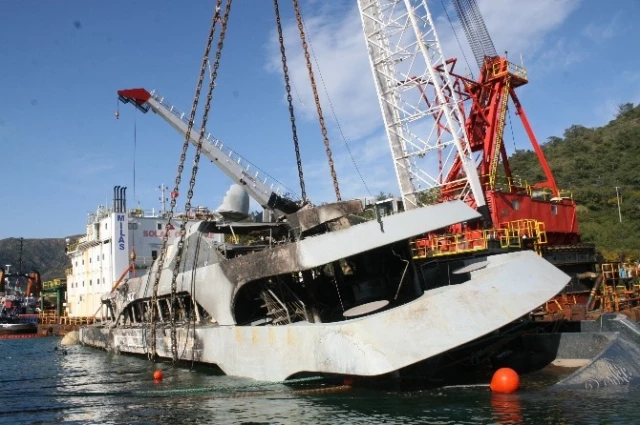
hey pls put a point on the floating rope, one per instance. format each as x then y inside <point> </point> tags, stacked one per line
<point>196,390</point>
<point>224,388</point>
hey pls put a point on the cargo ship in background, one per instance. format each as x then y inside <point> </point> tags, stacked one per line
<point>119,243</point>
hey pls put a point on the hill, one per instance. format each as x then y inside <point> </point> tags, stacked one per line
<point>47,256</point>
<point>592,163</point>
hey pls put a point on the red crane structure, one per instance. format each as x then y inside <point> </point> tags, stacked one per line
<point>522,214</point>
<point>446,135</point>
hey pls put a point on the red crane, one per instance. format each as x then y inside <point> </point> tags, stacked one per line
<point>523,214</point>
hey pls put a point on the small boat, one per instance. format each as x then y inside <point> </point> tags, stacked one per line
<point>16,300</point>
<point>13,326</point>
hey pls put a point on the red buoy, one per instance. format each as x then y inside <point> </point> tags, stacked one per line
<point>157,375</point>
<point>505,380</point>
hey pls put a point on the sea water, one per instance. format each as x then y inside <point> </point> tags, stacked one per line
<point>43,383</point>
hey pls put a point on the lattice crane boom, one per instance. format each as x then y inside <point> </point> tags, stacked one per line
<point>426,133</point>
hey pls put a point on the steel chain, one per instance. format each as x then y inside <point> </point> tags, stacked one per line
<point>287,85</point>
<point>194,169</point>
<point>165,238</point>
<point>323,127</point>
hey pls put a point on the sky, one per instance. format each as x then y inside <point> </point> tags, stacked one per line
<point>63,61</point>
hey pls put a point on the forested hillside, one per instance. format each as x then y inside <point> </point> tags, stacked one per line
<point>591,163</point>
<point>47,256</point>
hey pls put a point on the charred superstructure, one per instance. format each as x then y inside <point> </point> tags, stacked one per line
<point>334,295</point>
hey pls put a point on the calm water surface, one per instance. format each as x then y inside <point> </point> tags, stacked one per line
<point>42,385</point>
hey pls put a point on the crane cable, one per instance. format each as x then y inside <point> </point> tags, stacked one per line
<point>194,169</point>
<point>287,85</point>
<point>333,112</point>
<point>174,194</point>
<point>513,137</point>
<point>323,127</point>
<point>455,34</point>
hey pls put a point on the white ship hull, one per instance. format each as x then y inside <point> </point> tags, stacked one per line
<point>499,290</point>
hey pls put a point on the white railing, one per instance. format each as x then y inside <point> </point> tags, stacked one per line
<point>249,170</point>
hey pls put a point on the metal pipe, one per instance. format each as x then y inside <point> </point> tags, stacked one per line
<point>115,198</point>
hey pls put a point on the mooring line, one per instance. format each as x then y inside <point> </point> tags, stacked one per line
<point>177,391</point>
<point>225,388</point>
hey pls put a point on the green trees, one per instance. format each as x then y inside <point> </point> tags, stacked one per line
<point>591,163</point>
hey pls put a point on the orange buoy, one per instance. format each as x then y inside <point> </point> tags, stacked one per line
<point>505,380</point>
<point>157,375</point>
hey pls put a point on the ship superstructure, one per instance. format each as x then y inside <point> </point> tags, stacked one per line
<point>119,243</point>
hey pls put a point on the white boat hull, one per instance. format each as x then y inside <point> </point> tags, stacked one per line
<point>509,287</point>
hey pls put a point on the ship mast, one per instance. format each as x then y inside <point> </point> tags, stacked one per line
<point>20,257</point>
<point>163,199</point>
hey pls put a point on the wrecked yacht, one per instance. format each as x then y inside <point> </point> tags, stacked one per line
<point>321,292</point>
<point>312,289</point>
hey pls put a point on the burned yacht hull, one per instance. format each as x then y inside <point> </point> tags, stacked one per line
<point>272,313</point>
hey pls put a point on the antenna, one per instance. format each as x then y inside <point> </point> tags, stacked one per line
<point>163,199</point>
<point>618,199</point>
<point>20,257</point>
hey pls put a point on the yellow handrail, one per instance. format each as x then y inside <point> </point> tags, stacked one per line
<point>54,283</point>
<point>509,234</point>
